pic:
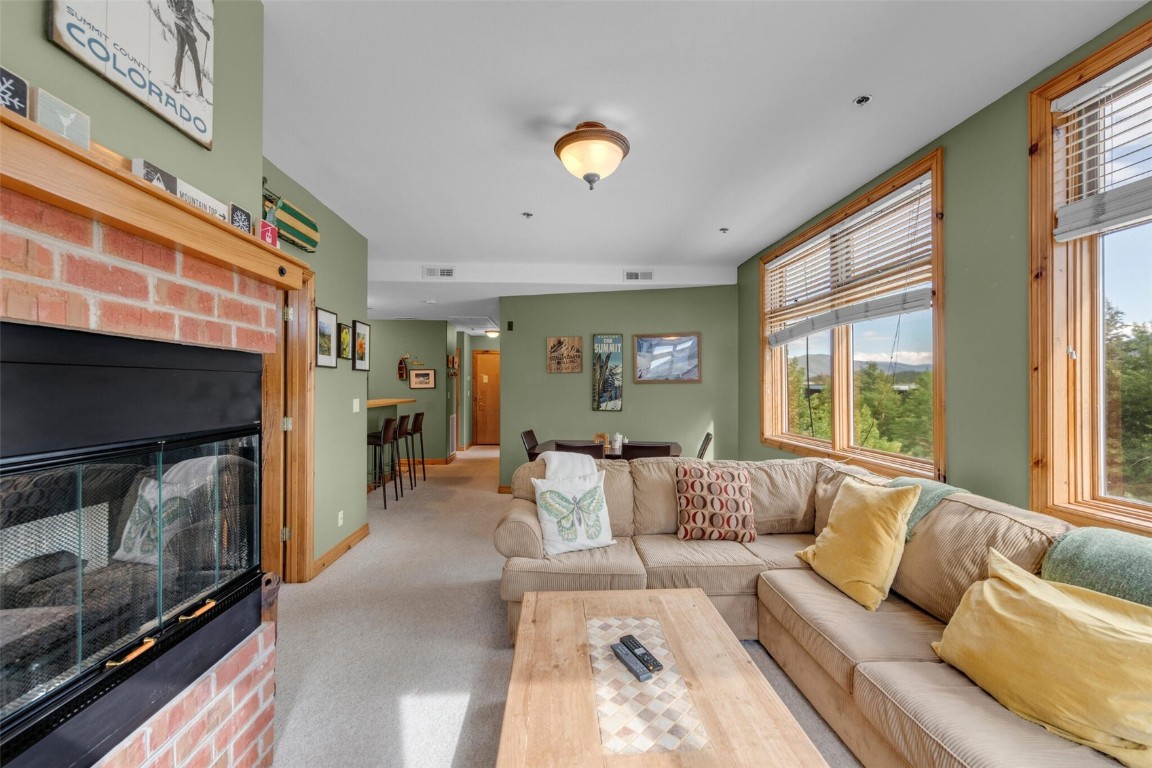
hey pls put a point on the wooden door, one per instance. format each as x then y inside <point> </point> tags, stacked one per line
<point>486,397</point>
<point>460,446</point>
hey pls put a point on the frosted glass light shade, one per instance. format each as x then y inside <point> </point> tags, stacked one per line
<point>591,152</point>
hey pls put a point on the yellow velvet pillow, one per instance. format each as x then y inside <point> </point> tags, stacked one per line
<point>860,548</point>
<point>1075,661</point>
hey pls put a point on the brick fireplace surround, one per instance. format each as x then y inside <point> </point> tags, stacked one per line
<point>59,268</point>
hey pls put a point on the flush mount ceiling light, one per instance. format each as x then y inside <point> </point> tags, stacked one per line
<point>591,152</point>
<point>491,333</point>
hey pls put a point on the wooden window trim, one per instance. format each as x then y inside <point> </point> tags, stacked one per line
<point>1064,305</point>
<point>773,371</point>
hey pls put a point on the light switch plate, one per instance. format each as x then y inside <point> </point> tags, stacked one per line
<point>355,405</point>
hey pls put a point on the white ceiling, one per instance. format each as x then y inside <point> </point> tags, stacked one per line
<point>428,126</point>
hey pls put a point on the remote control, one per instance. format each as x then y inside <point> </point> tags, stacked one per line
<point>630,661</point>
<point>646,658</point>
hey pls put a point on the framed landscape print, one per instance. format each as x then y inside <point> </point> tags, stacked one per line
<point>664,358</point>
<point>343,341</point>
<point>422,378</point>
<point>325,338</point>
<point>607,372</point>
<point>565,354</point>
<point>361,349</point>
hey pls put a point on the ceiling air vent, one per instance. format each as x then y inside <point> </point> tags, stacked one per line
<point>433,272</point>
<point>639,275</point>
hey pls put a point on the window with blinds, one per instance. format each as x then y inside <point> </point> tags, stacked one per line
<point>850,322</point>
<point>1090,300</point>
<point>1103,145</point>
<point>875,264</point>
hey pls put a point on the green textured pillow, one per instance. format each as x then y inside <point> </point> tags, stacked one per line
<point>1103,560</point>
<point>931,494</point>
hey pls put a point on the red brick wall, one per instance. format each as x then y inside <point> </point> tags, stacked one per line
<point>223,720</point>
<point>58,268</point>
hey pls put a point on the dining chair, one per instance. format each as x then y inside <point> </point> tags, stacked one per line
<point>595,450</point>
<point>707,441</point>
<point>630,451</point>
<point>417,428</point>
<point>530,443</point>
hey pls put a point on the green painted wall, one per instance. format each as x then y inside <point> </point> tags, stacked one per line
<point>558,405</point>
<point>426,341</point>
<point>341,266</point>
<point>231,171</point>
<point>986,275</point>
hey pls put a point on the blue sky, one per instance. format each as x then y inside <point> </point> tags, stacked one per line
<point>1128,272</point>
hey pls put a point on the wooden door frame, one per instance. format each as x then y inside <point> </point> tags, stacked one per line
<point>475,354</point>
<point>299,443</point>
<point>272,516</point>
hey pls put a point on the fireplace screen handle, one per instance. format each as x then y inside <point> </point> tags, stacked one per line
<point>145,645</point>
<point>199,611</point>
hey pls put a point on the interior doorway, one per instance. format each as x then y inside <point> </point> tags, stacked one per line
<point>486,397</point>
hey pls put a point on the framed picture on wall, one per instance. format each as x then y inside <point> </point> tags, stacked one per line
<point>666,358</point>
<point>343,341</point>
<point>565,354</point>
<point>607,372</point>
<point>361,348</point>
<point>422,378</point>
<point>325,338</point>
<point>168,47</point>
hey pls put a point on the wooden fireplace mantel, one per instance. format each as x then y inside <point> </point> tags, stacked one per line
<point>99,183</point>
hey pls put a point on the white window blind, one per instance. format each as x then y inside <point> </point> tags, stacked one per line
<point>873,309</point>
<point>838,276</point>
<point>1103,163</point>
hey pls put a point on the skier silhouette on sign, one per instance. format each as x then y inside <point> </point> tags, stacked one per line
<point>186,24</point>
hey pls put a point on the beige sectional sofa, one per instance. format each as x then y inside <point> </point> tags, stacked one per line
<point>872,675</point>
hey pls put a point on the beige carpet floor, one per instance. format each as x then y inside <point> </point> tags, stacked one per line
<point>397,655</point>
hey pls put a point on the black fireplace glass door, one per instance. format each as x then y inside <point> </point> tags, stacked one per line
<point>97,554</point>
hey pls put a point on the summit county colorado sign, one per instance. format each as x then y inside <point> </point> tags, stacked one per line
<point>159,51</point>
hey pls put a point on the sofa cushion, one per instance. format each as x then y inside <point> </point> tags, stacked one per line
<point>617,490</point>
<point>654,489</point>
<point>829,476</point>
<point>779,550</point>
<point>859,550</point>
<point>839,633</point>
<point>717,567</point>
<point>783,493</point>
<point>948,550</point>
<point>934,715</point>
<point>1109,561</point>
<point>614,567</point>
<point>714,504</point>
<point>1014,630</point>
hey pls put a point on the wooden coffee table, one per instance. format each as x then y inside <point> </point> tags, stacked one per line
<point>572,703</point>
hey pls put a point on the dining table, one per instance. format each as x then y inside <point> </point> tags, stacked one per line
<point>550,445</point>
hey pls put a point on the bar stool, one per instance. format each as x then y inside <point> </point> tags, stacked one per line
<point>404,437</point>
<point>379,442</point>
<point>374,444</point>
<point>418,429</point>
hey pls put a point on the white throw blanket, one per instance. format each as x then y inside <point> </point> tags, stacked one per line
<point>561,464</point>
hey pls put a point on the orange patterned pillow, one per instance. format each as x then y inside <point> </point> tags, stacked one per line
<point>714,504</point>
